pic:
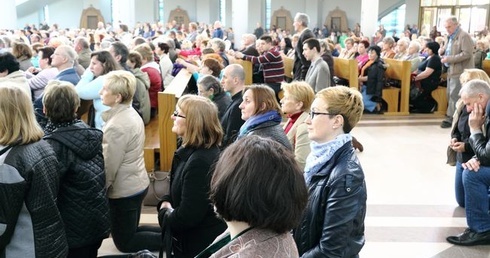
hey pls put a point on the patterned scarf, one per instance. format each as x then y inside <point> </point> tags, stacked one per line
<point>321,153</point>
<point>256,120</point>
<point>51,127</point>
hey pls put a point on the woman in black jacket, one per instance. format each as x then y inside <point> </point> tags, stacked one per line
<point>30,223</point>
<point>186,215</point>
<point>372,79</point>
<point>82,183</point>
<point>333,223</point>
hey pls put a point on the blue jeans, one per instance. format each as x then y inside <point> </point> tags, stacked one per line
<point>369,105</point>
<point>458,184</point>
<point>476,186</point>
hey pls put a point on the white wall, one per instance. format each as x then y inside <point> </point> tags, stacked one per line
<point>67,12</point>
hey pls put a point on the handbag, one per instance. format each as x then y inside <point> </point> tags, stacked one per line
<point>451,156</point>
<point>159,186</point>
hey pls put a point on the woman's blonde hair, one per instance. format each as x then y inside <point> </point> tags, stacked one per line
<point>300,91</point>
<point>343,101</point>
<point>17,121</point>
<point>121,82</point>
<point>472,74</point>
<point>203,128</point>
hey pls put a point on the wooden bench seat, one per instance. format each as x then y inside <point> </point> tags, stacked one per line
<point>248,69</point>
<point>440,97</point>
<point>398,70</point>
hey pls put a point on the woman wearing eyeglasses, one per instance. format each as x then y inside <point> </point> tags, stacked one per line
<point>333,222</point>
<point>186,215</point>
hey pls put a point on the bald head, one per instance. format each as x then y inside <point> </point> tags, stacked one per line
<point>233,79</point>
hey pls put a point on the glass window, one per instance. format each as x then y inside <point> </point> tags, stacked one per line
<point>160,11</point>
<point>394,21</point>
<point>268,14</point>
<point>222,12</point>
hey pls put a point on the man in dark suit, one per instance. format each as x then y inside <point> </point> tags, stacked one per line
<point>301,65</point>
<point>233,82</point>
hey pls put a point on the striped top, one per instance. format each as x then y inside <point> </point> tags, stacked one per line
<point>272,65</point>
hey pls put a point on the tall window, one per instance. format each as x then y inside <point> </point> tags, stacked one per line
<point>160,10</point>
<point>222,12</point>
<point>472,14</point>
<point>46,13</point>
<point>394,21</point>
<point>268,13</point>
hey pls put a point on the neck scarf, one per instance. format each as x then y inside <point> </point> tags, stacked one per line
<point>256,120</point>
<point>321,153</point>
<point>51,127</point>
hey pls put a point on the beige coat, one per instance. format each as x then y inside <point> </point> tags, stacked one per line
<point>123,142</point>
<point>461,54</point>
<point>17,79</point>
<point>298,137</point>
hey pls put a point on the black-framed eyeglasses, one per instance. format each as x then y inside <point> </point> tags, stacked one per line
<point>176,114</point>
<point>313,114</point>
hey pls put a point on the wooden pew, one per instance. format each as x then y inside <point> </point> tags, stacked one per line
<point>347,69</point>
<point>288,66</point>
<point>486,66</point>
<point>398,70</point>
<point>440,96</point>
<point>248,69</point>
<point>159,136</point>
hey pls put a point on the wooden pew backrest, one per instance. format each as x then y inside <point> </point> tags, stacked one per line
<point>248,69</point>
<point>399,70</point>
<point>347,69</point>
<point>486,66</point>
<point>288,66</point>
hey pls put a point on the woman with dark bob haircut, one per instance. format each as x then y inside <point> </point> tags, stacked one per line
<point>259,217</point>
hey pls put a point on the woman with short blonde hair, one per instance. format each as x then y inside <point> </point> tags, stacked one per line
<point>186,212</point>
<point>296,104</point>
<point>334,177</point>
<point>126,178</point>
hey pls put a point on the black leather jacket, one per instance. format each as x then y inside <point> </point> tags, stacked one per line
<point>480,143</point>
<point>333,223</point>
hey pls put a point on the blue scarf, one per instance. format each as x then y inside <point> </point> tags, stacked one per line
<point>256,120</point>
<point>321,153</point>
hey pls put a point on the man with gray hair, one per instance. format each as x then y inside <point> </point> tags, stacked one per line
<point>475,95</point>
<point>458,56</point>
<point>301,65</point>
<point>82,48</point>
<point>63,59</point>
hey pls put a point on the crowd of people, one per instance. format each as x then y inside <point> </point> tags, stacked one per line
<point>74,182</point>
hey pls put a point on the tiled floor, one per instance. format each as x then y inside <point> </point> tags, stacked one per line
<point>411,204</point>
